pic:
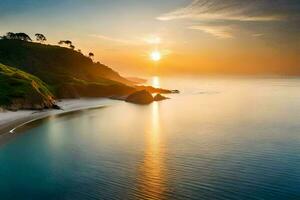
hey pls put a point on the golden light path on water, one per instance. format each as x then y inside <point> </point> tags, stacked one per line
<point>155,82</point>
<point>199,145</point>
<point>152,176</point>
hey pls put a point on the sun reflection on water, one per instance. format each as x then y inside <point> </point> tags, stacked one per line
<point>152,178</point>
<point>155,82</point>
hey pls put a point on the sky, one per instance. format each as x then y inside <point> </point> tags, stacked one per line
<point>192,36</point>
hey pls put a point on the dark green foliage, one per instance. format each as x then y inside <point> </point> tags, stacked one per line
<point>67,73</point>
<point>17,84</point>
<point>65,42</point>
<point>40,37</point>
<point>68,43</point>
<point>91,55</point>
<point>16,36</point>
<point>57,66</point>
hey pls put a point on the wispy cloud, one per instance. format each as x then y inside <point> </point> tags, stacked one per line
<point>222,32</point>
<point>146,40</point>
<point>258,35</point>
<point>113,39</point>
<point>237,10</point>
<point>152,39</point>
<point>149,40</point>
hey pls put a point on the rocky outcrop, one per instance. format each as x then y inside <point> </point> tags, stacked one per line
<point>26,104</point>
<point>140,97</point>
<point>160,97</point>
<point>155,90</point>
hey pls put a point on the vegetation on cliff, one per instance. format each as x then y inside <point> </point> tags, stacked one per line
<point>20,90</point>
<point>35,67</point>
<point>54,63</point>
<point>62,68</point>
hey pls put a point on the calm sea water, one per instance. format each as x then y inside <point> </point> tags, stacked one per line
<point>218,139</point>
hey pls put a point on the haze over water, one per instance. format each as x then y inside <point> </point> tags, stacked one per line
<point>218,139</point>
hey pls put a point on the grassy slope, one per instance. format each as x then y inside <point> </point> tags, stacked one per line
<point>26,88</point>
<point>39,58</point>
<point>64,69</point>
<point>69,73</point>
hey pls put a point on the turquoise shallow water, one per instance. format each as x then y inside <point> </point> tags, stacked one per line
<point>219,139</point>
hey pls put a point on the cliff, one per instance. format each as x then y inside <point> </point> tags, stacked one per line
<point>20,90</point>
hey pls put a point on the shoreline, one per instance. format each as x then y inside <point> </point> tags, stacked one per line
<point>12,120</point>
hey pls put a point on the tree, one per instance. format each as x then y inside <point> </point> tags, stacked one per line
<point>10,36</point>
<point>40,37</point>
<point>91,55</point>
<point>17,36</point>
<point>23,36</point>
<point>67,42</point>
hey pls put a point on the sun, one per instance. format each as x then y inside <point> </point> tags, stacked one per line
<point>155,55</point>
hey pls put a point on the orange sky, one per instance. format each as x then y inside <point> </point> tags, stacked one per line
<point>193,36</point>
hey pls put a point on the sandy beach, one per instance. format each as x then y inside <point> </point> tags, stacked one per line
<point>10,120</point>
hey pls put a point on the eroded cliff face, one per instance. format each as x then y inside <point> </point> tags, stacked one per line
<point>35,102</point>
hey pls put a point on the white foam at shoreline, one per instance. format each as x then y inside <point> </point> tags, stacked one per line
<point>25,117</point>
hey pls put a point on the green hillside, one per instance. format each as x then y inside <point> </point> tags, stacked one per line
<point>20,90</point>
<point>35,69</point>
<point>58,66</point>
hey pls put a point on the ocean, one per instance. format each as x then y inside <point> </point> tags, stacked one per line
<point>220,139</point>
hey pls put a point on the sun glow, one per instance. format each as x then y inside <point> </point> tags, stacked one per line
<point>155,55</point>
<point>155,82</point>
<point>153,40</point>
